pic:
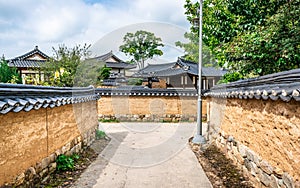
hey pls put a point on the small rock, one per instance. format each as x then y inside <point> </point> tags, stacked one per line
<point>265,178</point>
<point>242,150</point>
<point>266,167</point>
<point>278,172</point>
<point>280,183</point>
<point>195,148</point>
<point>52,167</point>
<point>250,154</point>
<point>45,162</point>
<point>19,179</point>
<point>58,152</point>
<point>52,157</point>
<point>230,139</point>
<point>45,179</point>
<point>30,173</point>
<point>42,173</point>
<point>247,164</point>
<point>274,182</point>
<point>38,167</point>
<point>254,168</point>
<point>64,149</point>
<point>240,159</point>
<point>288,180</point>
<point>223,141</point>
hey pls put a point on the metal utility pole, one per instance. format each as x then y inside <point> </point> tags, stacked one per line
<point>199,138</point>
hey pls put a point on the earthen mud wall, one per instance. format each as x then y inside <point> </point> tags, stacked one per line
<point>261,136</point>
<point>31,141</point>
<point>150,108</point>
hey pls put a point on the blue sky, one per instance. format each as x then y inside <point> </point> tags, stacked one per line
<point>48,23</point>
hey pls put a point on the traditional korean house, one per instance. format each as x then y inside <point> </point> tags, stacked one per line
<point>181,74</point>
<point>28,65</point>
<point>119,69</point>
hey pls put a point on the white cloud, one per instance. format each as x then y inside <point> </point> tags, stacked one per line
<point>47,23</point>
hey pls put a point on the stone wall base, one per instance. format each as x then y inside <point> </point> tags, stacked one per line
<point>150,118</point>
<point>259,171</point>
<point>47,165</point>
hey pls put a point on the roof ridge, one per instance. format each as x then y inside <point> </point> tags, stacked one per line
<point>35,50</point>
<point>106,56</point>
<point>28,60</point>
<point>157,64</point>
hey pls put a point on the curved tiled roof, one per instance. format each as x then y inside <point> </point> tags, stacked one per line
<point>279,86</point>
<point>26,63</point>
<point>32,52</point>
<point>206,71</point>
<point>176,68</point>
<point>122,65</point>
<point>105,57</point>
<point>16,97</point>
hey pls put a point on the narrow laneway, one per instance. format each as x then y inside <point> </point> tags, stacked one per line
<point>148,155</point>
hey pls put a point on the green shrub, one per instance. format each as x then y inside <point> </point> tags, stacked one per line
<point>100,134</point>
<point>65,163</point>
<point>109,120</point>
<point>135,81</point>
<point>8,74</point>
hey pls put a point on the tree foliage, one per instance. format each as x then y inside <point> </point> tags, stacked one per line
<point>8,74</point>
<point>251,37</point>
<point>192,50</point>
<point>61,69</point>
<point>141,45</point>
<point>87,73</point>
<point>104,73</point>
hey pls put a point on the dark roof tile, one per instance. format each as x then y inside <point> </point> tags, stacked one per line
<point>284,85</point>
<point>15,97</point>
<point>176,68</point>
<point>105,57</point>
<point>120,65</point>
<point>25,63</point>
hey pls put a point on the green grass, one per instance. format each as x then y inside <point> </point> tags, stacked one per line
<point>109,120</point>
<point>100,134</point>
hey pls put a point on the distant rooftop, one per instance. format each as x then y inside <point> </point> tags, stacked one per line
<point>112,61</point>
<point>31,59</point>
<point>181,66</point>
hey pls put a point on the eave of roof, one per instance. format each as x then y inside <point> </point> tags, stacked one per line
<point>142,91</point>
<point>206,71</point>
<point>283,86</point>
<point>17,97</point>
<point>122,65</point>
<point>26,63</point>
<point>171,69</point>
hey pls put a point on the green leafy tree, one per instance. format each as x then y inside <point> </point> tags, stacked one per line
<point>104,73</point>
<point>191,50</point>
<point>61,69</point>
<point>8,74</point>
<point>87,73</point>
<point>272,46</point>
<point>141,45</point>
<point>250,37</point>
